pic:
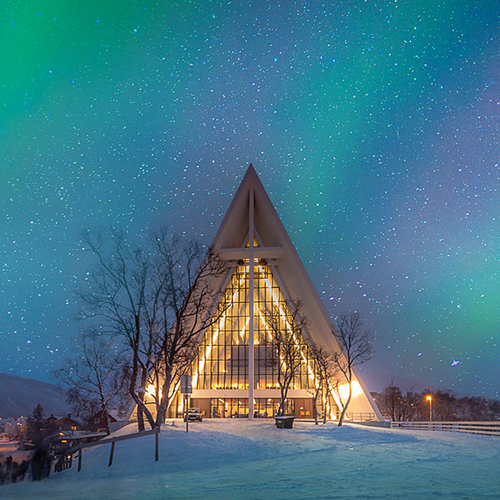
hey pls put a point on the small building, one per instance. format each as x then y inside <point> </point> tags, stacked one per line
<point>63,424</point>
<point>97,422</point>
<point>50,420</point>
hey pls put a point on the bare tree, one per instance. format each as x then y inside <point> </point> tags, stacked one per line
<point>326,374</point>
<point>409,405</point>
<point>285,326</point>
<point>392,402</point>
<point>355,349</point>
<point>159,299</point>
<point>96,376</point>
<point>116,295</point>
<point>185,303</point>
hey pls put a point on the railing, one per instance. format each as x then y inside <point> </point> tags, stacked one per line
<point>488,428</point>
<point>67,460</point>
<point>362,417</point>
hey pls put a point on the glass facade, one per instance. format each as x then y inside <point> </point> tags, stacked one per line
<point>222,360</point>
<point>242,340</point>
<point>238,407</point>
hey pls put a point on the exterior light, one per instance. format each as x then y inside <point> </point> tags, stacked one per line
<point>151,391</point>
<point>429,398</point>
<point>355,388</point>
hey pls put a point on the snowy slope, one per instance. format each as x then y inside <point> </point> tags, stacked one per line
<point>18,397</point>
<point>230,459</point>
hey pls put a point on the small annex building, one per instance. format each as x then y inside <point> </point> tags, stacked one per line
<point>228,378</point>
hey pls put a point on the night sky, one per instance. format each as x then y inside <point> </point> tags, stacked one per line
<point>374,127</point>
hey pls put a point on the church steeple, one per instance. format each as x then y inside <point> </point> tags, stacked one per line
<point>234,371</point>
<point>232,364</point>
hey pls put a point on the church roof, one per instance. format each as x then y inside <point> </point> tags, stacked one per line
<point>275,245</point>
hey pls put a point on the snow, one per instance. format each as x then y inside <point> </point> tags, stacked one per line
<point>228,459</point>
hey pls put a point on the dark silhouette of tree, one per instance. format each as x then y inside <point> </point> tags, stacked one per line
<point>185,302</point>
<point>391,402</point>
<point>96,377</point>
<point>285,327</point>
<point>397,405</point>
<point>36,425</point>
<point>355,349</point>
<point>446,406</point>
<point>115,296</point>
<point>159,298</point>
<point>326,374</point>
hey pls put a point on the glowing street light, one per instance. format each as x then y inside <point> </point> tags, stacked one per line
<point>429,398</point>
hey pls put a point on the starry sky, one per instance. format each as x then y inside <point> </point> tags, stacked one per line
<point>374,127</point>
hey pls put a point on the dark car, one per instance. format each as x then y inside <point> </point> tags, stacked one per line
<point>193,414</point>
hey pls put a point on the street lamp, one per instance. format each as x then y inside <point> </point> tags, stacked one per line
<point>429,398</point>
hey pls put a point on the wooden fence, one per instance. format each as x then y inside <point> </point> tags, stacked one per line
<point>66,461</point>
<point>488,428</point>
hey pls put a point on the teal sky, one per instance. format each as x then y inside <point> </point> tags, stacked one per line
<point>374,127</point>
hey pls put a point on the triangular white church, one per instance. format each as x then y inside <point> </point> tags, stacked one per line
<point>230,380</point>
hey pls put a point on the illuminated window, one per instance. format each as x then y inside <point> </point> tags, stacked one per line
<point>222,359</point>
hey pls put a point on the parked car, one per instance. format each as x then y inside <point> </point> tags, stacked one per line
<point>193,414</point>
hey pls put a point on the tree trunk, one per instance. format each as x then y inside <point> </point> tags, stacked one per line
<point>133,379</point>
<point>135,397</point>
<point>140,419</point>
<point>344,410</point>
<point>315,402</point>
<point>104,408</point>
<point>106,421</point>
<point>163,406</point>
<point>141,393</point>
<point>139,396</point>
<point>284,392</point>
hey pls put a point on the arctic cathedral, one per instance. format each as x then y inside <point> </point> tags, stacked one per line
<point>264,272</point>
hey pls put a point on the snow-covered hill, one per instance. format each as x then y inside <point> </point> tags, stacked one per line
<point>253,460</point>
<point>18,397</point>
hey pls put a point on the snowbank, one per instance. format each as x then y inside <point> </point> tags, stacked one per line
<point>232,459</point>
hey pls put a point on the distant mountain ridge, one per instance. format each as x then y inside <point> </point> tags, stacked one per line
<point>19,396</point>
<point>378,381</point>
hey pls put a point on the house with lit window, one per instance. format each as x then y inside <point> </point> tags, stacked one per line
<point>232,373</point>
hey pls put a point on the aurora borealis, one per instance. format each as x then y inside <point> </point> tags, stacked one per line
<point>374,127</point>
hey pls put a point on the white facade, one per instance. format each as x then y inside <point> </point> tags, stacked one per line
<point>229,379</point>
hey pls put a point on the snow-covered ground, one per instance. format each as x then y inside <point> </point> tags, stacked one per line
<point>238,459</point>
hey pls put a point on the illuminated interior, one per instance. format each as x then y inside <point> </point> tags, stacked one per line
<point>234,372</point>
<point>222,360</point>
<point>355,389</point>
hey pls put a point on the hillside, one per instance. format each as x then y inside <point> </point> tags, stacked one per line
<point>253,460</point>
<point>18,397</point>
